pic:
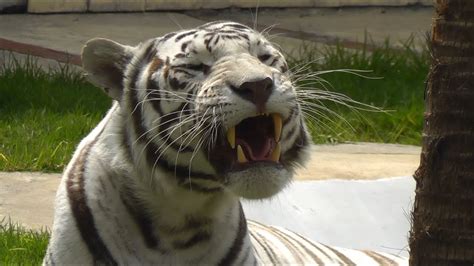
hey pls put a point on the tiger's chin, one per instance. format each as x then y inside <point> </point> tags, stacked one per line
<point>260,181</point>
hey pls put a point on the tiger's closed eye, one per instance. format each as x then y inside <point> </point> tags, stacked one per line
<point>198,67</point>
<point>264,57</point>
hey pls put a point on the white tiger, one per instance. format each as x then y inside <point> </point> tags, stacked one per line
<point>200,118</point>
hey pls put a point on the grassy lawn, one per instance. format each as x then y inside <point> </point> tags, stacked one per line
<point>394,82</point>
<point>44,115</point>
<point>19,246</point>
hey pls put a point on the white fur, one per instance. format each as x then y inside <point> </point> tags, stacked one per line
<point>110,173</point>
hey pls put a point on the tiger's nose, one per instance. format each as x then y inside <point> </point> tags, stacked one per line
<point>257,92</point>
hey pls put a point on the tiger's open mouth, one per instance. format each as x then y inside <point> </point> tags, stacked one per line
<point>256,139</point>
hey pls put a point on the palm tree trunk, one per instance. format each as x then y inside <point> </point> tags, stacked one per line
<point>443,216</point>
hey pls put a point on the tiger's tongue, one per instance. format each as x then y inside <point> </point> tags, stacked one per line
<point>254,153</point>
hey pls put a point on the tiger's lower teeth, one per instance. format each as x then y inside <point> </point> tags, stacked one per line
<point>240,155</point>
<point>276,153</point>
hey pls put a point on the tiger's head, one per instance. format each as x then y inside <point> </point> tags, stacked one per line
<point>208,109</point>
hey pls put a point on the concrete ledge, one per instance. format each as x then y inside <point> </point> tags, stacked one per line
<point>116,5</point>
<point>28,198</point>
<point>56,6</point>
<point>362,161</point>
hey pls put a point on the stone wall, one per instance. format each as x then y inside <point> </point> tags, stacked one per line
<point>54,6</point>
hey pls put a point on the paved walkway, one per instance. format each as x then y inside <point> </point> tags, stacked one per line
<point>28,197</point>
<point>51,35</point>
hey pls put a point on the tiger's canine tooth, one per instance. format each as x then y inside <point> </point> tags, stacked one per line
<point>276,153</point>
<point>240,155</point>
<point>277,124</point>
<point>231,137</point>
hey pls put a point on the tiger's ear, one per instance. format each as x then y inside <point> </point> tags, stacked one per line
<point>105,62</point>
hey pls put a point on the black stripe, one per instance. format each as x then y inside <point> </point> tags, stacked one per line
<point>217,39</point>
<point>274,61</point>
<point>231,32</point>
<point>102,188</point>
<point>184,34</point>
<point>184,72</point>
<point>297,148</point>
<point>196,67</point>
<point>290,133</point>
<point>180,55</point>
<point>270,252</point>
<point>151,150</point>
<point>379,258</point>
<point>126,144</point>
<point>236,247</point>
<point>175,84</point>
<point>167,36</point>
<point>246,256</point>
<point>258,256</point>
<point>154,96</point>
<point>290,116</point>
<point>141,218</point>
<point>293,249</point>
<point>193,186</point>
<point>244,36</point>
<point>264,57</point>
<point>184,46</point>
<point>314,246</point>
<point>164,129</point>
<point>207,42</point>
<point>314,256</point>
<point>149,51</point>
<point>341,256</point>
<point>197,238</point>
<point>81,211</point>
<point>181,172</point>
<point>233,37</point>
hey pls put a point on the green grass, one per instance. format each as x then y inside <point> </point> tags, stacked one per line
<point>20,246</point>
<point>44,115</point>
<point>396,85</point>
